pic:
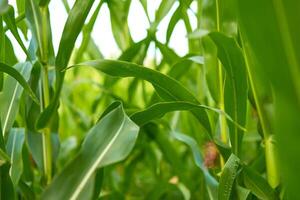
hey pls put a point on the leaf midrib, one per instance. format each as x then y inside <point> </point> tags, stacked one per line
<point>85,179</point>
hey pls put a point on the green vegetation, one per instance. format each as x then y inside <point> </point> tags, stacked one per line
<point>220,123</point>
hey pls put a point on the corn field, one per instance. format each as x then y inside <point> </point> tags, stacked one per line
<point>220,122</point>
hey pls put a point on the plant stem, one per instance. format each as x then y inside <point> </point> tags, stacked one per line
<point>46,138</point>
<point>270,147</point>
<point>223,124</point>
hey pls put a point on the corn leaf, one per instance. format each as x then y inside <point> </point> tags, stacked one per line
<point>11,94</point>
<point>229,174</point>
<point>168,88</point>
<point>275,47</point>
<point>236,87</point>
<point>109,141</point>
<point>14,148</point>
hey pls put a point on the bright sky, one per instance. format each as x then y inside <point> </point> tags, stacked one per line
<point>102,33</point>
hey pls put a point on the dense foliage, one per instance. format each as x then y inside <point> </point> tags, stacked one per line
<point>220,122</point>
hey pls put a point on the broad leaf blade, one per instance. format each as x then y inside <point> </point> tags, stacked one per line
<point>14,148</point>
<point>109,141</point>
<point>11,94</point>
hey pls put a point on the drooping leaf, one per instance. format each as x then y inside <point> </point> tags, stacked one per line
<point>9,18</point>
<point>257,184</point>
<point>168,88</point>
<point>11,94</point>
<point>19,78</point>
<point>158,110</point>
<point>109,141</point>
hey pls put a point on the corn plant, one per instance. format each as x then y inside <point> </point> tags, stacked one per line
<point>218,123</point>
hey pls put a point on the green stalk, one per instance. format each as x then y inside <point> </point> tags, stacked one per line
<point>223,124</point>
<point>270,147</point>
<point>2,52</point>
<point>191,42</point>
<point>46,138</point>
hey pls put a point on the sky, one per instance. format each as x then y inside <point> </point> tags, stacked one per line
<point>102,33</point>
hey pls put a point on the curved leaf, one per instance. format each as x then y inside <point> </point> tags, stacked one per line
<point>11,94</point>
<point>168,88</point>
<point>109,141</point>
<point>9,18</point>
<point>257,184</point>
<point>158,110</point>
<point>18,77</point>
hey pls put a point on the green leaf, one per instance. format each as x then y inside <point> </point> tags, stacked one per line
<point>228,177</point>
<point>158,110</point>
<point>236,87</point>
<point>11,94</point>
<point>109,141</point>
<point>212,184</point>
<point>8,53</point>
<point>119,14</point>
<point>4,158</point>
<point>3,6</point>
<point>211,67</point>
<point>2,51</point>
<point>9,18</point>
<point>39,22</point>
<point>163,10</point>
<point>19,78</point>
<point>274,51</point>
<point>72,28</point>
<point>257,184</point>
<point>169,54</point>
<point>168,88</point>
<point>87,40</point>
<point>174,20</point>
<point>242,193</point>
<point>6,186</point>
<point>14,148</point>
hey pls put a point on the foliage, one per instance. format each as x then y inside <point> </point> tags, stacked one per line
<point>220,122</point>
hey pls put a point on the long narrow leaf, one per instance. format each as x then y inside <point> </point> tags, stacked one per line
<point>167,87</point>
